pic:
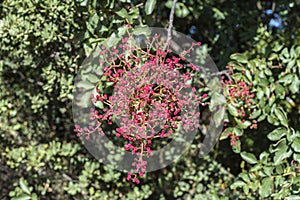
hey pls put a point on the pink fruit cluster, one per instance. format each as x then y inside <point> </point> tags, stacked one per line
<point>151,98</point>
<point>238,94</point>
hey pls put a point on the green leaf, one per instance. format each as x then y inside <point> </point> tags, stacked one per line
<point>279,90</point>
<point>245,177</point>
<point>93,21</point>
<point>141,31</point>
<point>255,114</point>
<point>282,117</point>
<point>291,64</point>
<point>282,152</point>
<point>279,169</point>
<point>266,187</point>
<point>116,37</point>
<point>268,72</point>
<point>255,168</point>
<point>232,110</point>
<point>92,78</point>
<point>238,67</point>
<point>293,197</point>
<point>85,99</point>
<point>249,157</point>
<point>218,13</point>
<point>242,58</point>
<point>287,79</point>
<point>238,131</point>
<point>24,187</point>
<point>22,197</point>
<point>278,47</point>
<point>237,184</point>
<point>34,196</point>
<point>219,116</point>
<point>123,13</point>
<point>241,124</point>
<point>272,100</point>
<point>109,84</point>
<point>277,134</point>
<point>237,147</point>
<point>85,85</point>
<point>271,119</point>
<point>248,75</point>
<point>263,82</point>
<point>296,144</point>
<point>181,10</point>
<point>273,56</point>
<point>216,100</point>
<point>285,52</point>
<point>87,49</point>
<point>262,117</point>
<point>267,91</point>
<point>294,87</point>
<point>99,104</point>
<point>296,157</point>
<point>224,135</point>
<point>260,94</point>
<point>149,7</point>
<point>268,170</point>
<point>263,157</point>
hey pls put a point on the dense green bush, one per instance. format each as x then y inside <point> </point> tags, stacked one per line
<point>275,83</point>
<point>43,43</point>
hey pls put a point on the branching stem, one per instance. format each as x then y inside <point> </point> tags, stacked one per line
<point>171,19</point>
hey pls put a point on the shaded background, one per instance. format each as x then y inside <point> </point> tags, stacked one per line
<point>42,46</point>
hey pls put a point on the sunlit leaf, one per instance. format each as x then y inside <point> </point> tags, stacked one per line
<point>149,7</point>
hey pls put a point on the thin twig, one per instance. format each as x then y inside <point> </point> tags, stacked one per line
<point>224,72</point>
<point>169,36</point>
<point>139,5</point>
<point>273,6</point>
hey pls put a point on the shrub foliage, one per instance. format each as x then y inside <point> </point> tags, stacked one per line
<point>43,43</point>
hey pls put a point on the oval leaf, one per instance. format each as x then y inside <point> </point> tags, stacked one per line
<point>241,124</point>
<point>277,134</point>
<point>296,144</point>
<point>85,85</point>
<point>282,117</point>
<point>266,187</point>
<point>123,13</point>
<point>219,116</point>
<point>238,132</point>
<point>242,58</point>
<point>24,187</point>
<point>232,110</point>
<point>150,5</point>
<point>22,197</point>
<point>255,114</point>
<point>237,184</point>
<point>249,157</point>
